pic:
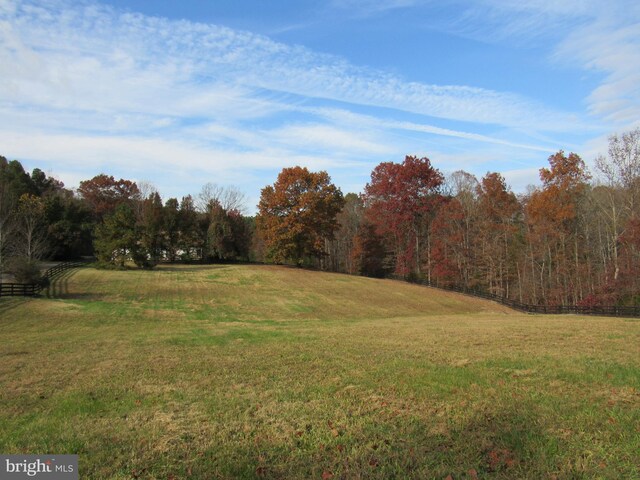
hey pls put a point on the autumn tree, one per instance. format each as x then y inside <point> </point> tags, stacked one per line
<point>498,218</point>
<point>553,228</point>
<point>22,232</point>
<point>340,249</point>
<point>298,213</point>
<point>618,199</point>
<point>449,251</point>
<point>401,199</point>
<point>628,285</point>
<point>454,231</point>
<point>368,254</point>
<point>103,193</point>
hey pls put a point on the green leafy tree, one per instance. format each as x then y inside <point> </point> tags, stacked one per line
<point>150,230</point>
<point>220,239</point>
<point>191,242</point>
<point>70,226</point>
<point>7,223</point>
<point>15,179</point>
<point>116,239</point>
<point>171,228</point>
<point>243,228</point>
<point>43,184</point>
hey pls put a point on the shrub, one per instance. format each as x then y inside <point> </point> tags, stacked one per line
<point>26,271</point>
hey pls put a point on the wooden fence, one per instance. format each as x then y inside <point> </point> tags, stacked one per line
<point>614,311</point>
<point>21,289</point>
<point>32,289</point>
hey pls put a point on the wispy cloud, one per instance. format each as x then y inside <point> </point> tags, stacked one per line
<point>86,56</point>
<point>87,86</point>
<point>372,7</point>
<point>345,117</point>
<point>595,36</point>
<point>613,48</point>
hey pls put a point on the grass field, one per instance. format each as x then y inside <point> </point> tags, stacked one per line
<point>273,372</point>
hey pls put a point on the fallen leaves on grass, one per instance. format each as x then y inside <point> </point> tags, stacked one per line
<point>261,471</point>
<point>499,458</point>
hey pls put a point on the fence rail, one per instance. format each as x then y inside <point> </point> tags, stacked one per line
<point>33,289</point>
<point>613,311</point>
<point>26,290</point>
<point>19,289</point>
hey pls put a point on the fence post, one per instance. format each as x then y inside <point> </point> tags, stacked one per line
<point>32,289</point>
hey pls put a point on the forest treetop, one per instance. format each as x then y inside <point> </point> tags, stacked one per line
<point>573,240</point>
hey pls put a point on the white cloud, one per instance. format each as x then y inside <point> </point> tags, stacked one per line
<point>139,154</point>
<point>344,118</point>
<point>613,49</point>
<point>86,56</point>
<point>90,88</point>
<point>364,8</point>
<point>595,36</point>
<point>522,178</point>
<point>327,138</point>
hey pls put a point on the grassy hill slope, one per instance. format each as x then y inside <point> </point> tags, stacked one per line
<point>273,372</point>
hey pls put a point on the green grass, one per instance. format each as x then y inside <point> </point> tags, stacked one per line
<point>272,372</point>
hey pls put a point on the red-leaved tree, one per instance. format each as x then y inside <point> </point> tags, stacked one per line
<point>401,200</point>
<point>104,193</point>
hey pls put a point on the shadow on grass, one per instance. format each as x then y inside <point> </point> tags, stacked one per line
<point>507,444</point>
<point>9,303</point>
<point>59,285</point>
<point>83,296</point>
<point>189,268</point>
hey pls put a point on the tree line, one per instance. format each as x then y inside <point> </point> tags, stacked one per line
<point>574,240</point>
<point>118,222</point>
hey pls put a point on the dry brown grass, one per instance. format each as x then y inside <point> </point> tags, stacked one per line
<point>272,372</point>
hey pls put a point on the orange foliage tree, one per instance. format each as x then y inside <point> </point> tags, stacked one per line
<point>297,215</point>
<point>498,216</point>
<point>553,229</point>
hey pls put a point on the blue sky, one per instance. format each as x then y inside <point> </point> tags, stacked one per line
<point>179,94</point>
